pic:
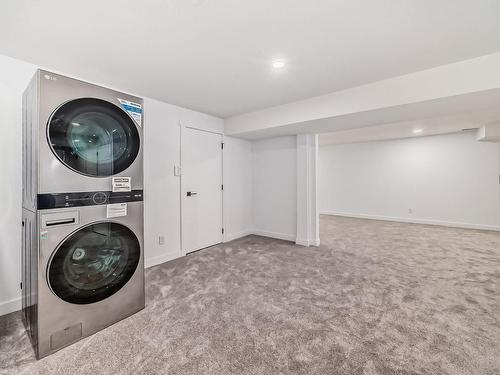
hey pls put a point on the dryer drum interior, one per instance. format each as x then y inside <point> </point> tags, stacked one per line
<point>93,263</point>
<point>93,137</point>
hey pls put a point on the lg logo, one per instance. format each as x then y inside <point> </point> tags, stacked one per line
<point>50,78</point>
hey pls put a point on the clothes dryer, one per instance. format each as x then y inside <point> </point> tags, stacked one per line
<point>83,135</point>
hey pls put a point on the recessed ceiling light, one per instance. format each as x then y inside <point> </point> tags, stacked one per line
<point>278,64</point>
<point>417,131</point>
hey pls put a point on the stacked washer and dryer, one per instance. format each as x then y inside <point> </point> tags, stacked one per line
<point>83,256</point>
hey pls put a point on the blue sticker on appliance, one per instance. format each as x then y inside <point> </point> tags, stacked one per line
<point>133,109</point>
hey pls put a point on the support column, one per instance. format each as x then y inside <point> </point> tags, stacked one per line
<point>307,204</point>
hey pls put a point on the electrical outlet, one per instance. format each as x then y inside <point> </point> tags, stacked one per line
<point>161,240</point>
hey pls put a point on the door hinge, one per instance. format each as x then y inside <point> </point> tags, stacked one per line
<point>222,145</point>
<point>222,230</point>
<point>21,285</point>
<point>222,187</point>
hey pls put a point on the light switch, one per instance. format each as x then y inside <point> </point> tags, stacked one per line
<point>177,170</point>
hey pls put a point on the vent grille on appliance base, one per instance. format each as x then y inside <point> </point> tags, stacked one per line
<point>65,336</point>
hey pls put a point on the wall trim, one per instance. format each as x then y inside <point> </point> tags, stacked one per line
<point>305,242</point>
<point>279,236</point>
<point>234,236</point>
<point>316,242</point>
<point>10,306</point>
<point>159,259</point>
<point>443,223</point>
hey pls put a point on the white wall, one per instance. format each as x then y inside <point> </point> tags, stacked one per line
<point>162,189</point>
<point>162,192</point>
<point>14,77</point>
<point>446,179</point>
<point>238,184</point>
<point>275,187</point>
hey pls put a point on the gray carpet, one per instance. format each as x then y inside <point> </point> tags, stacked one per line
<point>375,298</point>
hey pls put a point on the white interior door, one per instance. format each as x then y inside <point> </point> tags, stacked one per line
<point>201,189</point>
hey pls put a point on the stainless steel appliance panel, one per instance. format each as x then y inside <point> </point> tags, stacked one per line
<point>58,318</point>
<point>30,145</point>
<point>29,281</point>
<point>54,176</point>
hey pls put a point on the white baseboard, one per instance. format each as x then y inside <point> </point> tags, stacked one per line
<point>316,242</point>
<point>264,233</point>
<point>413,221</point>
<point>306,242</point>
<point>279,236</point>
<point>154,261</point>
<point>10,306</point>
<point>233,236</point>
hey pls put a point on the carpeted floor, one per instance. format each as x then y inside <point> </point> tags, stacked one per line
<point>375,298</point>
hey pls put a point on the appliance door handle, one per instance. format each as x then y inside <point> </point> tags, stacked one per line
<point>191,193</point>
<point>54,219</point>
<point>60,222</point>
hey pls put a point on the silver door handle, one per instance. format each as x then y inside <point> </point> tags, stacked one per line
<point>191,193</point>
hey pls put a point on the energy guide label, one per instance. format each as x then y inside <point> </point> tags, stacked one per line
<point>133,109</point>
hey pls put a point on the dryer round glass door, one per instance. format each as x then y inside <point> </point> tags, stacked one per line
<point>93,137</point>
<point>94,263</point>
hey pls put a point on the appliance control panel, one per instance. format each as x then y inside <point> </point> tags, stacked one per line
<point>90,198</point>
<point>100,197</point>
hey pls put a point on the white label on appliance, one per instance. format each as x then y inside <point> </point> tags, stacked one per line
<point>133,109</point>
<point>122,184</point>
<point>116,210</point>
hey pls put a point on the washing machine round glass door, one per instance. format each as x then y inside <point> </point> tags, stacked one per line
<point>93,263</point>
<point>93,137</point>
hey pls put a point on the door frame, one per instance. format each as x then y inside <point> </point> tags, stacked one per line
<point>183,128</point>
